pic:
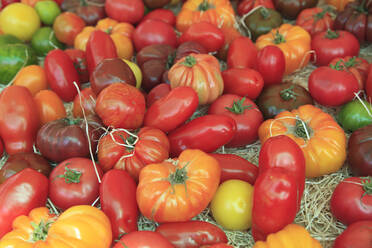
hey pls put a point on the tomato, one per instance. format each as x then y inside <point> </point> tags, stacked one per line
<point>357,235</point>
<point>152,32</point>
<point>20,20</point>
<point>332,44</point>
<point>19,120</point>
<point>332,87</point>
<point>67,26</point>
<point>178,190</point>
<point>86,102</point>
<point>164,15</point>
<point>48,11</point>
<point>291,8</point>
<point>20,194</point>
<point>49,106</point>
<point>1,148</point>
<point>232,205</point>
<point>315,20</point>
<point>271,64</point>
<point>238,59</point>
<point>61,74</point>
<point>244,112</point>
<point>44,40</point>
<point>89,11</point>
<point>207,133</point>
<point>173,109</point>
<point>32,77</point>
<point>159,91</point>
<point>206,34</point>
<point>355,114</point>
<point>136,71</point>
<point>79,59</point>
<point>359,154</point>
<point>155,4</point>
<point>141,239</point>
<point>191,234</point>
<point>368,84</point>
<point>245,6</point>
<point>130,11</point>
<point>121,106</point>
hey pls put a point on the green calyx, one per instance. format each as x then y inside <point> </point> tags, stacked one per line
<point>332,34</point>
<point>362,8</point>
<point>189,61</point>
<point>70,122</point>
<point>71,175</point>
<point>264,12</point>
<point>288,94</point>
<point>205,5</point>
<point>320,15</point>
<point>341,64</point>
<point>170,60</point>
<point>302,130</point>
<point>279,38</point>
<point>238,107</point>
<point>367,185</point>
<point>40,230</point>
<point>179,176</point>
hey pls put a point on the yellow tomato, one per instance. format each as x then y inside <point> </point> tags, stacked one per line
<point>136,71</point>
<point>20,20</point>
<point>232,205</point>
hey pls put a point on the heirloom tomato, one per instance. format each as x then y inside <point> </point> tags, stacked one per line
<point>33,77</point>
<point>339,4</point>
<point>50,107</point>
<point>315,20</point>
<point>368,85</point>
<point>130,11</point>
<point>245,6</point>
<point>359,154</point>
<point>238,59</point>
<point>87,101</point>
<point>67,26</point>
<point>159,91</point>
<point>291,8</point>
<point>164,15</point>
<point>355,114</point>
<point>89,10</point>
<point>357,235</point>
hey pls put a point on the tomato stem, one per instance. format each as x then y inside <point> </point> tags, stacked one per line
<point>302,129</point>
<point>71,175</point>
<point>189,61</point>
<point>238,107</point>
<point>205,5</point>
<point>367,185</point>
<point>320,15</point>
<point>264,12</point>
<point>288,94</point>
<point>69,121</point>
<point>332,34</point>
<point>40,231</point>
<point>279,38</point>
<point>362,8</point>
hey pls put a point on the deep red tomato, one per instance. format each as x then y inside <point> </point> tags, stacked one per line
<point>192,234</point>
<point>245,6</point>
<point>242,53</point>
<point>19,119</point>
<point>283,152</point>
<point>61,74</point>
<point>125,10</point>
<point>271,64</point>
<point>157,92</point>
<point>357,235</point>
<point>141,239</point>
<point>67,26</point>
<point>331,87</point>
<point>368,84</point>
<point>352,200</point>
<point>207,133</point>
<point>20,194</point>
<point>117,194</point>
<point>243,82</point>
<point>359,151</point>
<point>206,34</point>
<point>332,44</point>
<point>164,15</point>
<point>236,167</point>
<point>244,112</point>
<point>152,32</point>
<point>78,58</point>
<point>172,110</point>
<point>74,182</point>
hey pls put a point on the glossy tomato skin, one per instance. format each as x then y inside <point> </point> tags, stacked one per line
<point>359,151</point>
<point>357,235</point>
<point>61,74</point>
<point>67,26</point>
<point>206,133</point>
<point>125,10</point>
<point>247,5</point>
<point>50,106</point>
<point>19,119</point>
<point>191,234</point>
<point>244,112</point>
<point>19,195</point>
<point>243,82</point>
<point>79,59</point>
<point>172,110</point>
<point>238,59</point>
<point>141,239</point>
<point>164,15</point>
<point>271,64</point>
<point>156,93</point>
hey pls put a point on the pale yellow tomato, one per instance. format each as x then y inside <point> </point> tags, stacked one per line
<point>232,205</point>
<point>136,71</point>
<point>20,20</point>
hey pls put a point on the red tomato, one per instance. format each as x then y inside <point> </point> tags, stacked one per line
<point>207,133</point>
<point>164,15</point>
<point>235,167</point>
<point>19,119</point>
<point>206,34</point>
<point>151,32</point>
<point>244,112</point>
<point>61,74</point>
<point>156,93</point>
<point>172,110</point>
<point>315,20</point>
<point>357,235</point>
<point>87,101</point>
<point>331,87</point>
<point>351,202</point>
<point>243,82</point>
<point>1,148</point>
<point>141,239</point>
<point>332,44</point>
<point>245,6</point>
<point>368,85</point>
<point>67,26</point>
<point>271,64</point>
<point>125,10</point>
<point>242,53</point>
<point>78,58</point>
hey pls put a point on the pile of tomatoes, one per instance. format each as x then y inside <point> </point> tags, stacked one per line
<point>112,109</point>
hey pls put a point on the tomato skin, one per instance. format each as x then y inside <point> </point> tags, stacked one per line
<point>207,133</point>
<point>164,15</point>
<point>359,155</point>
<point>350,202</point>
<point>1,148</point>
<point>78,58</point>
<point>368,84</point>
<point>88,103</point>
<point>20,194</point>
<point>61,74</point>
<point>49,106</point>
<point>238,59</point>
<point>315,20</point>
<point>190,234</point>
<point>157,92</point>
<point>32,77</point>
<point>271,64</point>
<point>125,10</point>
<point>243,82</point>
<point>247,5</point>
<point>357,235</point>
<point>141,239</point>
<point>355,114</point>
<point>118,201</point>
<point>19,119</point>
<point>173,109</point>
<point>67,26</point>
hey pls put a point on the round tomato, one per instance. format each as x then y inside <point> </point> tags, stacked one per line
<point>315,20</point>
<point>156,93</point>
<point>164,15</point>
<point>271,64</point>
<point>32,77</point>
<point>357,235</point>
<point>67,26</point>
<point>140,239</point>
<point>49,106</point>
<point>359,153</point>
<point>232,205</point>
<point>130,11</point>
<point>355,114</point>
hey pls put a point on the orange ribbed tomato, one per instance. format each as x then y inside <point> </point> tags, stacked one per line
<point>321,139</point>
<point>79,226</point>
<point>178,190</point>
<point>295,43</point>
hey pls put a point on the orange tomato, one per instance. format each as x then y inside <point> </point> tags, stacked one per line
<point>49,106</point>
<point>88,99</point>
<point>67,26</point>
<point>32,77</point>
<point>82,38</point>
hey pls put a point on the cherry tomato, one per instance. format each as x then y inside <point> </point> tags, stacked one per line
<point>271,64</point>
<point>67,26</point>
<point>130,11</point>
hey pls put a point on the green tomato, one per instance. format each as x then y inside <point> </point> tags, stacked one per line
<point>232,205</point>
<point>44,40</point>
<point>48,11</point>
<point>9,39</point>
<point>354,115</point>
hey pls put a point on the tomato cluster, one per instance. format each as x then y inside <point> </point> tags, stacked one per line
<point>116,110</point>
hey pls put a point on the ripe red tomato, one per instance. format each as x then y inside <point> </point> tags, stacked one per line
<point>140,239</point>
<point>357,235</point>
<point>74,182</point>
<point>67,26</point>
<point>247,5</point>
<point>244,112</point>
<point>271,64</point>
<point>125,10</point>
<point>242,53</point>
<point>164,15</point>
<point>78,58</point>
<point>156,93</point>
